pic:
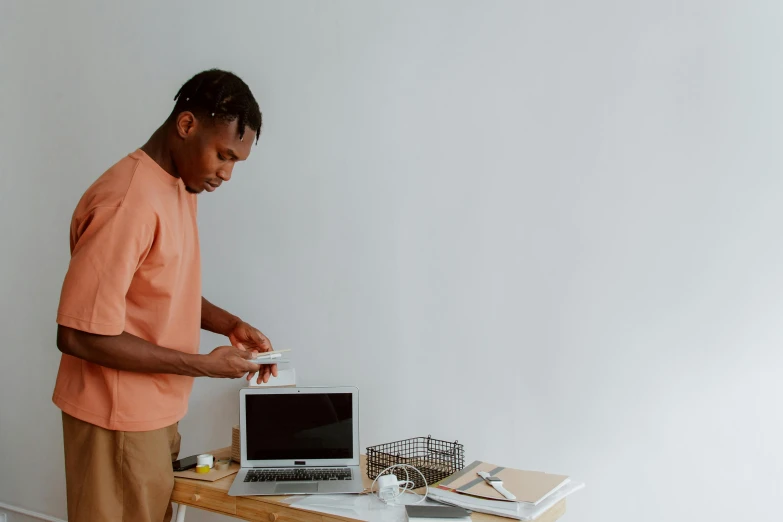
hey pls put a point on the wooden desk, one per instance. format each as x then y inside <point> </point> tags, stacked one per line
<point>213,496</point>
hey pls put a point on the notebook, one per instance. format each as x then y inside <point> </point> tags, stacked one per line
<point>516,510</point>
<point>436,513</point>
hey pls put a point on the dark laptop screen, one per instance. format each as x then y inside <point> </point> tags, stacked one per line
<point>299,426</point>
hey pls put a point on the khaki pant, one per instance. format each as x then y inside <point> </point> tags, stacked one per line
<point>118,476</point>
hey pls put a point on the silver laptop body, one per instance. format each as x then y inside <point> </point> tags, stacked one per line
<point>298,441</point>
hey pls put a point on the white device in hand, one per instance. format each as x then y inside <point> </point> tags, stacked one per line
<point>263,359</point>
<point>496,483</point>
<point>273,357</point>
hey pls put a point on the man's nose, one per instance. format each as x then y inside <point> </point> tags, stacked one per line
<point>225,173</point>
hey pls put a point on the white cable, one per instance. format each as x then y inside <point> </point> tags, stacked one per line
<point>408,484</point>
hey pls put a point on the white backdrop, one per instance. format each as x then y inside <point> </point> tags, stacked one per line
<point>550,230</point>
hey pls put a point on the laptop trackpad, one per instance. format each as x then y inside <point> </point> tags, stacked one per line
<point>289,488</point>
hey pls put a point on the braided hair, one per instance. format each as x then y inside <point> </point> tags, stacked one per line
<point>221,95</point>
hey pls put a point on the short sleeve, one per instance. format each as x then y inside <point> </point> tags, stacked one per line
<point>108,246</point>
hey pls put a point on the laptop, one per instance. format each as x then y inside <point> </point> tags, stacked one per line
<point>298,441</point>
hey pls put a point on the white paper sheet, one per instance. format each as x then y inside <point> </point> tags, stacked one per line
<point>361,507</point>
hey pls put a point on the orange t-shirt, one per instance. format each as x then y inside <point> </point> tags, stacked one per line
<point>135,267</point>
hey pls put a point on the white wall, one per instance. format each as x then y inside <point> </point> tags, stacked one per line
<point>550,230</point>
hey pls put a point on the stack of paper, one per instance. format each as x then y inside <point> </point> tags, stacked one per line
<point>535,491</point>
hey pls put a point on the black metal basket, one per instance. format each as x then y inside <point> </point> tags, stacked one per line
<point>436,459</point>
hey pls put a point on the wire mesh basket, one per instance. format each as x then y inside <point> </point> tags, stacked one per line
<point>436,459</point>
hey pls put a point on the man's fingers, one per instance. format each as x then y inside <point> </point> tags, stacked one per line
<point>247,355</point>
<point>268,371</point>
<point>262,341</point>
<point>252,367</point>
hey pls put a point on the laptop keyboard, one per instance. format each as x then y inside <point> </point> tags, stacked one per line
<point>297,474</point>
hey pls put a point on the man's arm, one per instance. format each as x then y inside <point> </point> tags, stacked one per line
<point>217,320</point>
<point>130,353</point>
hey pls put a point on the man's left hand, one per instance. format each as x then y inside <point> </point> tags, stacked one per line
<point>246,337</point>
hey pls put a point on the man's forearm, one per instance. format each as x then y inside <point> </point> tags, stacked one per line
<point>128,352</point>
<point>217,320</point>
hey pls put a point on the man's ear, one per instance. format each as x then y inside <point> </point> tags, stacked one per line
<point>186,124</point>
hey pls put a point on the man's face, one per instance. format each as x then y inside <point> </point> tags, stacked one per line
<point>208,151</point>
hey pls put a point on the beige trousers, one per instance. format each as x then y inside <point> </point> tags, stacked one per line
<point>118,476</point>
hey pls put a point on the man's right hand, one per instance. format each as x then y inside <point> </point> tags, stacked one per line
<point>230,362</point>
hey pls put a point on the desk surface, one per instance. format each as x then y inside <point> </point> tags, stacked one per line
<point>213,496</point>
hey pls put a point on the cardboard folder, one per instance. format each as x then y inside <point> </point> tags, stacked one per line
<point>527,486</point>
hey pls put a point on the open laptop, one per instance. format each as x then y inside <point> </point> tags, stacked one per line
<point>298,441</point>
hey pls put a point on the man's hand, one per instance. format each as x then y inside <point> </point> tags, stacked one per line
<point>245,337</point>
<point>241,335</point>
<point>228,361</point>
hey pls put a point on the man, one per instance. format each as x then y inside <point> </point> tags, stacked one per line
<point>131,306</point>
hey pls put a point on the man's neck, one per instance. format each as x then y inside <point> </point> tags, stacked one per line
<point>157,148</point>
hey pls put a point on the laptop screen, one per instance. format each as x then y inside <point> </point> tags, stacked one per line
<point>299,426</point>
